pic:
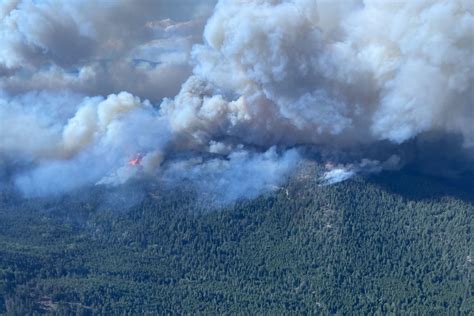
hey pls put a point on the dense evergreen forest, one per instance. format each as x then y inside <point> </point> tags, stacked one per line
<point>394,243</point>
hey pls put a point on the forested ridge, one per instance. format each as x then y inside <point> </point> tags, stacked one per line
<point>394,243</point>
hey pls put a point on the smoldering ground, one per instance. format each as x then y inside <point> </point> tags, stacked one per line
<point>239,91</point>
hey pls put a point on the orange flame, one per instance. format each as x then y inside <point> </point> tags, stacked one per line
<point>135,161</point>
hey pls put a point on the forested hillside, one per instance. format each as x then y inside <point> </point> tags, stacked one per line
<point>392,243</point>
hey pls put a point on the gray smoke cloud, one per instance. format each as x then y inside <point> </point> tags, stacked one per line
<point>228,96</point>
<point>318,72</point>
<point>242,174</point>
<point>99,47</point>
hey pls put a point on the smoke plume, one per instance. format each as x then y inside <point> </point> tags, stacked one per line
<point>230,96</point>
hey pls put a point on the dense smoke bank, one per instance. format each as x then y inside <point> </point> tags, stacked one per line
<point>368,86</point>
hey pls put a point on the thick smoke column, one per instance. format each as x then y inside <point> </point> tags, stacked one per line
<point>318,72</point>
<point>270,77</point>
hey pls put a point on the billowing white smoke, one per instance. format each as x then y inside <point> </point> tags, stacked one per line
<point>271,75</point>
<point>340,172</point>
<point>318,72</point>
<point>94,145</point>
<point>99,47</point>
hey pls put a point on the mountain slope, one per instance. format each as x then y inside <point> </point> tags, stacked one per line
<point>395,242</point>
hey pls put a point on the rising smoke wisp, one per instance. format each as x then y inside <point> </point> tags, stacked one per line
<point>235,88</point>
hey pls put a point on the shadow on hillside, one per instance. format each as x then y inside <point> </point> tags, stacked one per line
<point>416,186</point>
